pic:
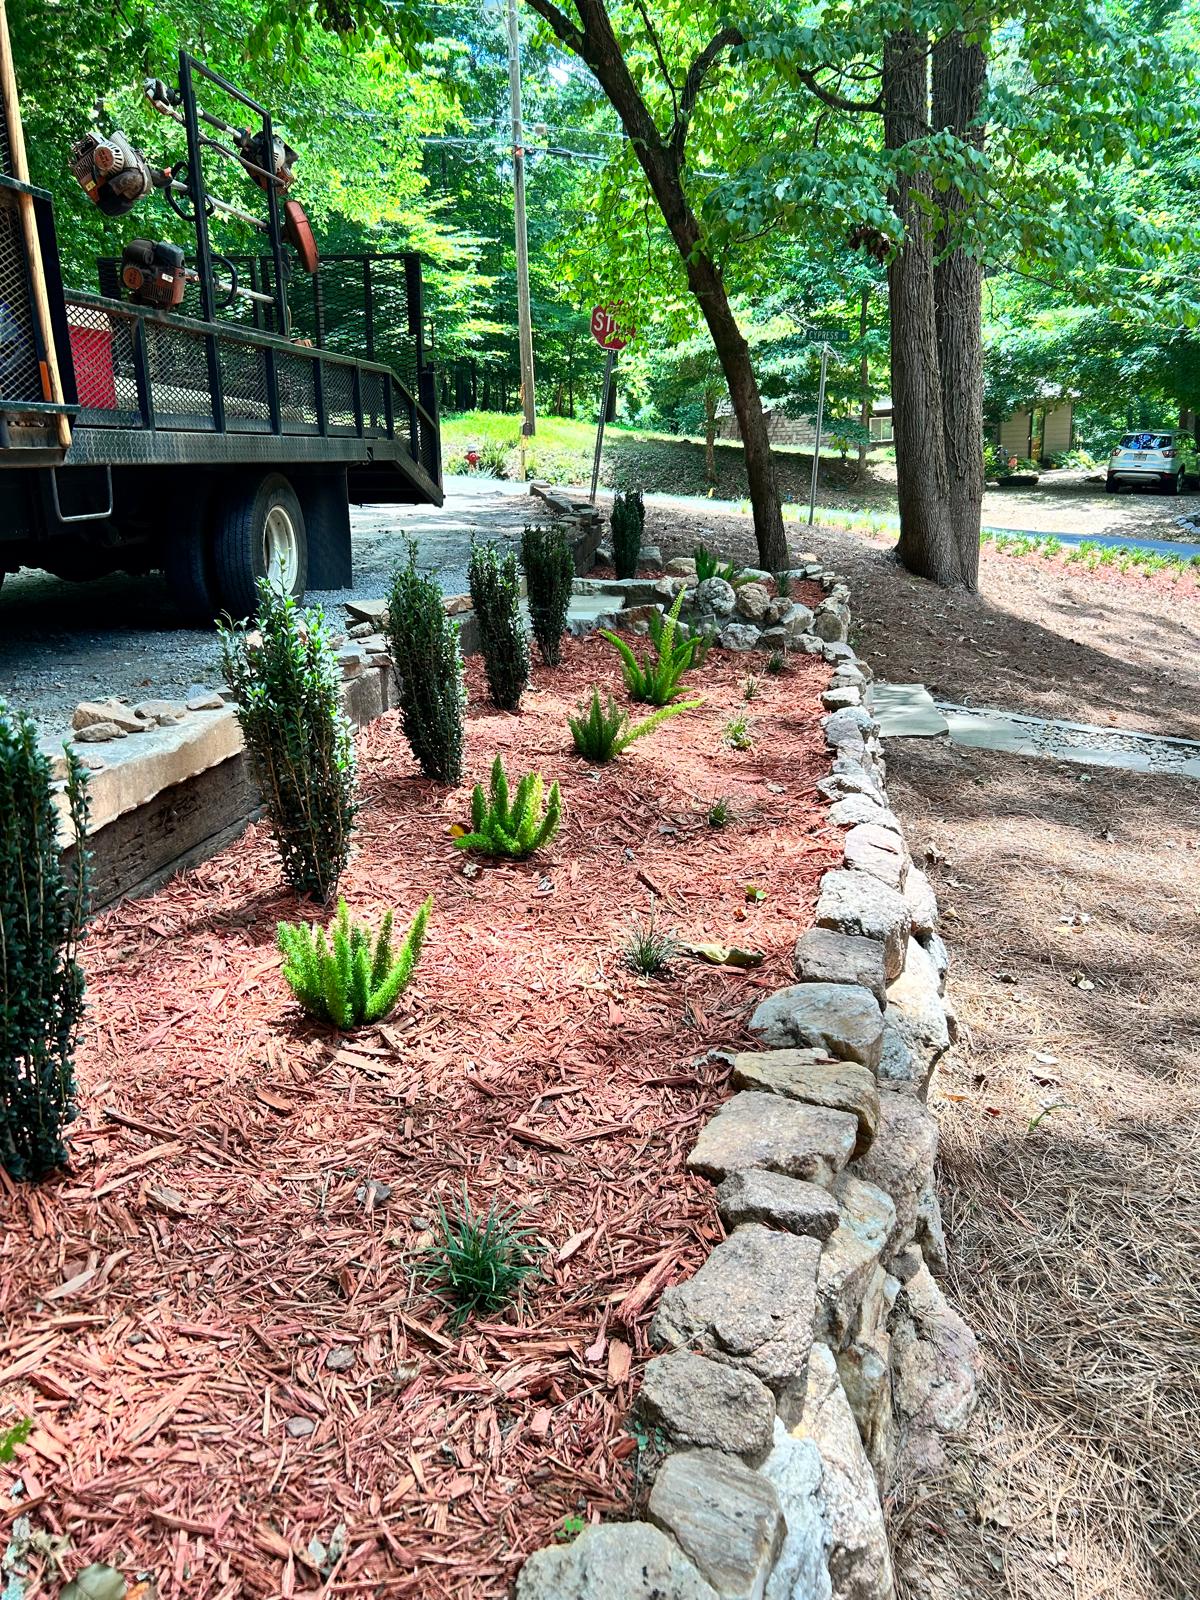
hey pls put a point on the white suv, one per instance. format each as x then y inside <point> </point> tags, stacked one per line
<point>1162,458</point>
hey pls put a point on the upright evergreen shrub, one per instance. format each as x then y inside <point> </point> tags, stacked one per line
<point>42,911</point>
<point>288,686</point>
<point>427,657</point>
<point>496,597</point>
<point>628,520</point>
<point>549,574</point>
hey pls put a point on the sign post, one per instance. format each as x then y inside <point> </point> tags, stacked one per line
<point>812,497</point>
<point>611,336</point>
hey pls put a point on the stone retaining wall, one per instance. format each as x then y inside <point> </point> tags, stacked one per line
<point>813,1358</point>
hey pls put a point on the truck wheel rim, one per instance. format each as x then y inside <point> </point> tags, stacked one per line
<point>280,553</point>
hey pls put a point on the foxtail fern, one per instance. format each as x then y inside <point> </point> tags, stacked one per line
<point>340,977</point>
<point>516,827</point>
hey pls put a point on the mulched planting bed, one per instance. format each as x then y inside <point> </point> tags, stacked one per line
<point>214,1319</point>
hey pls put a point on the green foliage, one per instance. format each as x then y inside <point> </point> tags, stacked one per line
<point>783,584</point>
<point>342,978</point>
<point>424,646</point>
<point>628,521</point>
<point>752,687</point>
<point>496,597</point>
<point>42,912</point>
<point>649,949</point>
<point>600,733</point>
<point>549,574</point>
<point>479,1259</point>
<point>708,566</point>
<point>720,812</point>
<point>512,828</point>
<point>736,732</point>
<point>12,1437</point>
<point>776,663</point>
<point>288,687</point>
<point>659,681</point>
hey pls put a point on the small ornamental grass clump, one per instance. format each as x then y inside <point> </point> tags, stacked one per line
<point>627,522</point>
<point>512,828</point>
<point>42,912</point>
<point>720,812</point>
<point>549,574</point>
<point>776,663</point>
<point>496,597</point>
<point>343,979</point>
<point>478,1259</point>
<point>423,644</point>
<point>649,949</point>
<point>658,681</point>
<point>288,687</point>
<point>710,566</point>
<point>737,732</point>
<point>602,733</point>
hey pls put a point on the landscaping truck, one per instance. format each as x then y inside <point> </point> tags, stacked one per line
<point>214,417</point>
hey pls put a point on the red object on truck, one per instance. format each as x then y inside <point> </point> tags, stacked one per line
<point>95,379</point>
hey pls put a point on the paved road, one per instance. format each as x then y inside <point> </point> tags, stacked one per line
<point>1159,547</point>
<point>64,642</point>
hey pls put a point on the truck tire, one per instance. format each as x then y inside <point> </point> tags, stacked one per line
<point>187,567</point>
<point>259,532</point>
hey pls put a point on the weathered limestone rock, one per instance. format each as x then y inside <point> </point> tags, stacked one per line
<point>840,696</point>
<point>899,1068</point>
<point>752,1303</point>
<point>739,636</point>
<point>901,1159</point>
<point>206,702</point>
<point>852,1256</point>
<point>703,1404</point>
<point>935,1365</point>
<point>840,1018</point>
<point>156,710</point>
<point>372,611</point>
<point>836,651</point>
<point>931,1235</point>
<point>866,1373</point>
<point>94,713</point>
<point>863,808</point>
<point>753,602</point>
<point>796,621</point>
<point>615,1561</point>
<point>716,596</point>
<point>724,1517</point>
<point>855,902</point>
<point>763,1130</point>
<point>915,1003</point>
<point>825,956</point>
<point>801,1573</point>
<point>936,949</point>
<point>860,1564</point>
<point>100,733</point>
<point>778,1201</point>
<point>855,722</point>
<point>870,848</point>
<point>849,672</point>
<point>829,624</point>
<point>922,903</point>
<point>809,1076</point>
<point>681,567</point>
<point>848,779</point>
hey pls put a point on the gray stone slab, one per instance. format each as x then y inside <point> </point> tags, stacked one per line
<point>809,1076</point>
<point>777,1135</point>
<point>905,711</point>
<point>724,1517</point>
<point>822,955</point>
<point>778,1201</point>
<point>842,1019</point>
<point>698,1403</point>
<point>616,1561</point>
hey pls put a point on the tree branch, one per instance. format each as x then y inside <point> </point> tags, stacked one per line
<point>658,51</point>
<point>563,27</point>
<point>836,102</point>
<point>694,82</point>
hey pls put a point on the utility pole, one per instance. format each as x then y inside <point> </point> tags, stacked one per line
<point>524,319</point>
<point>812,498</point>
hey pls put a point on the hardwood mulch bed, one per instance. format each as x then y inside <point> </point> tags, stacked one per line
<point>213,1319</point>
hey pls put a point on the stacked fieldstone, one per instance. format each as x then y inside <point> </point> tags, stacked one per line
<point>813,1356</point>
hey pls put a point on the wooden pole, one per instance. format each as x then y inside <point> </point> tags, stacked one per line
<point>52,389</point>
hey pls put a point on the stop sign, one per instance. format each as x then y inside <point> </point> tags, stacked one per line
<point>607,331</point>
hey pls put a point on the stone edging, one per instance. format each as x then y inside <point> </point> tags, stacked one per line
<point>812,1361</point>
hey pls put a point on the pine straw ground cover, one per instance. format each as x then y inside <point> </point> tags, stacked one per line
<point>213,1320</point>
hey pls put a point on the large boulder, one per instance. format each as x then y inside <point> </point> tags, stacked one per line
<point>839,1018</point>
<point>763,1131</point>
<point>724,1517</point>
<point>715,597</point>
<point>615,1561</point>
<point>753,602</point>
<point>857,903</point>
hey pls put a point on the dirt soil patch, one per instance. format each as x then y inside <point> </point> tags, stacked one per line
<point>213,1320</point>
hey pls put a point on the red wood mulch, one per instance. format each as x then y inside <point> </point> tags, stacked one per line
<point>169,1309</point>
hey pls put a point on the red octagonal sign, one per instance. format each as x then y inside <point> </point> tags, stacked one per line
<point>607,329</point>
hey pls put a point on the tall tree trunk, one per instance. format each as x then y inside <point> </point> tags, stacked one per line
<point>710,434</point>
<point>927,545</point>
<point>959,77</point>
<point>864,382</point>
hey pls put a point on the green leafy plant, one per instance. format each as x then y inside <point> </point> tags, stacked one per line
<point>288,686</point>
<point>708,566</point>
<point>424,646</point>
<point>752,687</point>
<point>11,1438</point>
<point>776,662</point>
<point>549,574</point>
<point>496,597</point>
<point>343,979</point>
<point>570,1528</point>
<point>736,732</point>
<point>649,949</point>
<point>783,584</point>
<point>603,732</point>
<point>720,812</point>
<point>659,681</point>
<point>42,912</point>
<point>627,522</point>
<point>512,828</point>
<point>479,1259</point>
